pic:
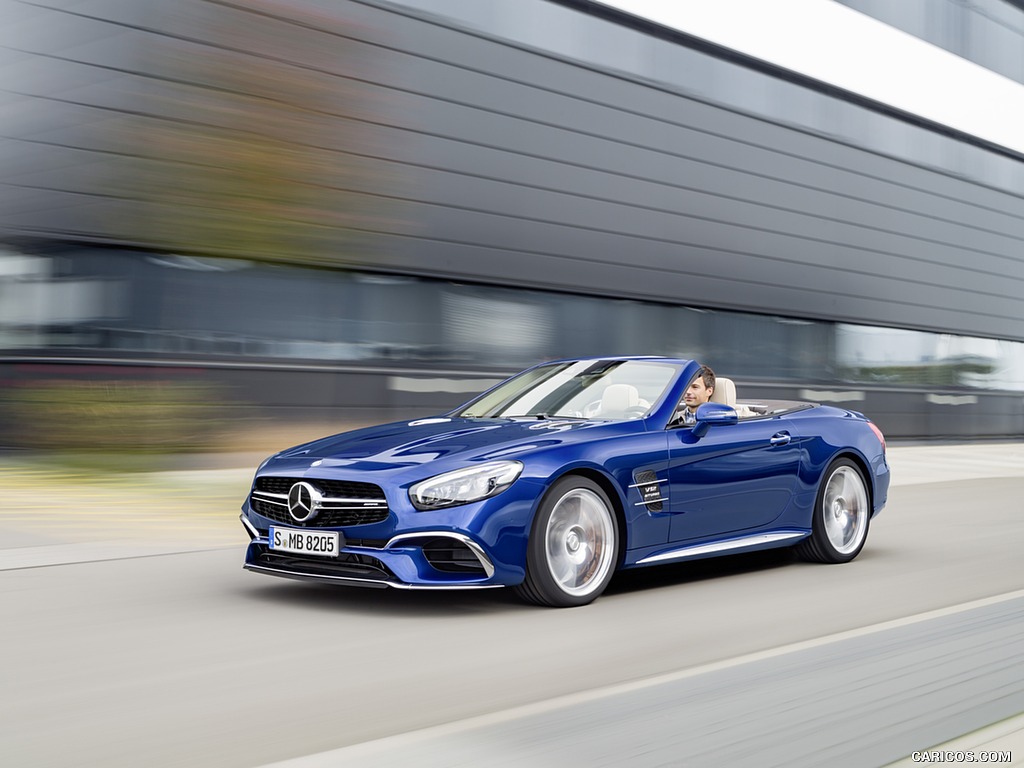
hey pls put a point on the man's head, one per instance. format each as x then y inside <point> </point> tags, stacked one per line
<point>700,389</point>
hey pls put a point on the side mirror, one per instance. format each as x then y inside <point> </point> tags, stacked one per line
<point>713,415</point>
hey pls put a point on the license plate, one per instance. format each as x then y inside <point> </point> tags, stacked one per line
<point>324,543</point>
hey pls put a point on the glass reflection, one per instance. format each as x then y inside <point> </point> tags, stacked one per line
<point>101,301</point>
<point>915,358</point>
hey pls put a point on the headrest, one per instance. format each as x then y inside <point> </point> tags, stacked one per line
<point>618,397</point>
<point>725,392</point>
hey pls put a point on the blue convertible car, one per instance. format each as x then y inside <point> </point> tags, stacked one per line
<point>556,478</point>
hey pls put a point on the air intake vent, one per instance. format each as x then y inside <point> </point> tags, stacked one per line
<point>451,556</point>
<point>649,488</point>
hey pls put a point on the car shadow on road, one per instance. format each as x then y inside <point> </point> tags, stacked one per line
<point>408,604</point>
<point>461,603</point>
<point>672,574</point>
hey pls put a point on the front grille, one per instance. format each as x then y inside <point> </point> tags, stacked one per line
<point>345,503</point>
<point>345,489</point>
<point>326,518</point>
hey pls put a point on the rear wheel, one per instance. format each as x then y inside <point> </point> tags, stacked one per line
<point>842,512</point>
<point>573,545</point>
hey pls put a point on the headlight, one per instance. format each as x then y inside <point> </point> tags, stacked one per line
<point>464,485</point>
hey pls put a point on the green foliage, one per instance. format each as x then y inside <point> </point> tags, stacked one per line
<point>251,145</point>
<point>120,417</point>
<point>945,374</point>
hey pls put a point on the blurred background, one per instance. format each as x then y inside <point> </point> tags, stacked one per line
<point>229,226</point>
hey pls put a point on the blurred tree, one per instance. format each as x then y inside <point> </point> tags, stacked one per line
<point>104,416</point>
<point>249,142</point>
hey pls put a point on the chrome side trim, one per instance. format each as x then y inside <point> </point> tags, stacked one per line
<point>249,527</point>
<point>355,581</point>
<point>650,501</point>
<point>652,482</point>
<point>473,547</point>
<point>722,546</point>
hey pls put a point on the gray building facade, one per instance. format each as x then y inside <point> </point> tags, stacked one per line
<point>556,172</point>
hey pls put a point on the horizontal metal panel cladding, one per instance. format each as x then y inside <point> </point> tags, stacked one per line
<point>586,155</point>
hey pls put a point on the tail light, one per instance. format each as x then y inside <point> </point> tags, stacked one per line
<point>878,434</point>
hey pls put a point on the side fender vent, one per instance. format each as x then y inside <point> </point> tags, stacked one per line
<point>650,489</point>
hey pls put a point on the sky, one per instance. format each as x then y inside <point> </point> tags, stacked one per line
<point>835,44</point>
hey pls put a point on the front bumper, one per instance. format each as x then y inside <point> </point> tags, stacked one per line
<point>428,559</point>
<point>469,546</point>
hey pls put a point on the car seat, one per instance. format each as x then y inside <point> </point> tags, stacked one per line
<point>725,392</point>
<point>617,399</point>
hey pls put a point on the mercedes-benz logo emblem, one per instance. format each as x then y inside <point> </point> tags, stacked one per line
<point>303,501</point>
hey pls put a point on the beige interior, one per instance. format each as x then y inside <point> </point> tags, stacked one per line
<point>617,398</point>
<point>725,392</point>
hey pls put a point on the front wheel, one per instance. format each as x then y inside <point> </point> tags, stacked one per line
<point>573,545</point>
<point>842,511</point>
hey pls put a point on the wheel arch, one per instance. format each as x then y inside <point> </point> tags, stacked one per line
<point>865,471</point>
<point>820,546</point>
<point>608,486</point>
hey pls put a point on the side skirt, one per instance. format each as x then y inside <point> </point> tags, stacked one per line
<point>726,546</point>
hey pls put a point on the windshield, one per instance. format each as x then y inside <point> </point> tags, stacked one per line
<point>590,389</point>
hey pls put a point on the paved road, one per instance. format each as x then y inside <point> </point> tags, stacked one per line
<point>857,699</point>
<point>144,643</point>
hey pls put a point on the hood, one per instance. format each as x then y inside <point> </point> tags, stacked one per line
<point>411,443</point>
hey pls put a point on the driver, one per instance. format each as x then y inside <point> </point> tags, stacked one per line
<point>699,391</point>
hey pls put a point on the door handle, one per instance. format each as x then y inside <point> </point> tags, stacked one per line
<point>780,438</point>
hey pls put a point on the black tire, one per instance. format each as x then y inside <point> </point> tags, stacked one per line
<point>842,514</point>
<point>573,546</point>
